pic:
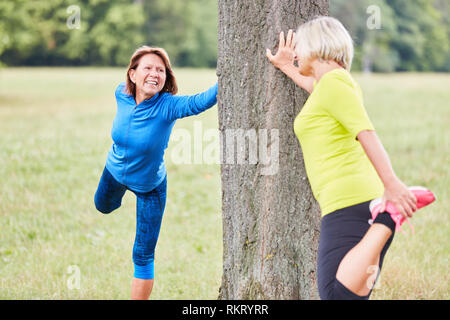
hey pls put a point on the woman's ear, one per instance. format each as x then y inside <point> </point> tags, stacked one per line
<point>132,74</point>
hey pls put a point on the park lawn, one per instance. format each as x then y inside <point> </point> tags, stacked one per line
<point>56,126</point>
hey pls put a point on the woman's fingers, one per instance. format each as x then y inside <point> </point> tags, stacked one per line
<point>403,199</point>
<point>400,208</point>
<point>269,54</point>
<point>407,210</point>
<point>408,202</point>
<point>289,39</point>
<point>413,201</point>
<point>285,54</point>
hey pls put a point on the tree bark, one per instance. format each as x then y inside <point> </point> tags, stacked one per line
<point>271,220</point>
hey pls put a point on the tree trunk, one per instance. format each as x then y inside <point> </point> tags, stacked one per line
<point>270,218</point>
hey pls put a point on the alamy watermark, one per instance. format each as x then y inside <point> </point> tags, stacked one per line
<point>74,278</point>
<point>231,146</point>
<point>374,20</point>
<point>74,20</point>
<point>373,281</point>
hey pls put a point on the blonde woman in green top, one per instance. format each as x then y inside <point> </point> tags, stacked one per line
<point>345,161</point>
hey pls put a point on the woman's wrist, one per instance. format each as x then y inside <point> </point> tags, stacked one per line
<point>390,180</point>
<point>287,69</point>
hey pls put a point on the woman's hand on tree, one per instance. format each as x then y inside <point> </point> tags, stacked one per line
<point>285,55</point>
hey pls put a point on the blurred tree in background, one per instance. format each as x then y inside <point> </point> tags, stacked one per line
<point>187,29</point>
<point>41,32</point>
<point>413,34</point>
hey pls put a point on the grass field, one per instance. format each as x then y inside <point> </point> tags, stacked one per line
<point>55,134</point>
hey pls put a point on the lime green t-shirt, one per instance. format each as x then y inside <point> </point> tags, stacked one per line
<point>338,169</point>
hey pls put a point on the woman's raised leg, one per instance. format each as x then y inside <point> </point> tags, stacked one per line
<point>357,268</point>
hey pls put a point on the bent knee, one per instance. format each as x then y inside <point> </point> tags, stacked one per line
<point>337,291</point>
<point>103,210</point>
<point>104,207</point>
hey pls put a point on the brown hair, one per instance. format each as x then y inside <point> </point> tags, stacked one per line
<point>169,86</point>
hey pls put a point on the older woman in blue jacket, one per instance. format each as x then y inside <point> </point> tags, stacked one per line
<point>147,109</point>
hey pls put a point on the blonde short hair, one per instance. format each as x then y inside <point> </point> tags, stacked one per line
<point>325,38</point>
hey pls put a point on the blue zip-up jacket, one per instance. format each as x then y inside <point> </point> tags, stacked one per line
<point>141,134</point>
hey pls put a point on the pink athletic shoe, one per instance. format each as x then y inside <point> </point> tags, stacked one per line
<point>423,195</point>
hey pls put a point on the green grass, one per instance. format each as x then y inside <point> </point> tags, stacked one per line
<point>55,135</point>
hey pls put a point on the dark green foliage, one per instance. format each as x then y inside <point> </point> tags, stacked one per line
<point>42,32</point>
<point>414,34</point>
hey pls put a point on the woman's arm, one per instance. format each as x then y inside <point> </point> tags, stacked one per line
<point>284,60</point>
<point>185,106</point>
<point>395,190</point>
<point>303,82</point>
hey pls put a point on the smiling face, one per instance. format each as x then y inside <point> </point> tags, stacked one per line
<point>149,76</point>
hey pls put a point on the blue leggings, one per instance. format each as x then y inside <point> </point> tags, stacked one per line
<point>149,212</point>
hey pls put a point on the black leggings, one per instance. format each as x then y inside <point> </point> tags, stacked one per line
<point>340,231</point>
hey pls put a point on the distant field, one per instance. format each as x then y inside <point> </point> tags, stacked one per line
<point>55,134</point>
